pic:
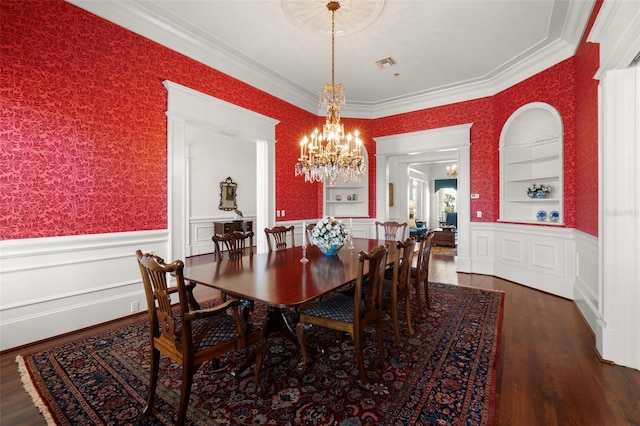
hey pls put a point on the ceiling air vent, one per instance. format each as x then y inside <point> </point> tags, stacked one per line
<point>386,62</point>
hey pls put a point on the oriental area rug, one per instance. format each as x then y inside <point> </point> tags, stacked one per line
<point>445,374</point>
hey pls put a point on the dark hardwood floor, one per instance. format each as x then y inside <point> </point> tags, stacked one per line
<point>549,371</point>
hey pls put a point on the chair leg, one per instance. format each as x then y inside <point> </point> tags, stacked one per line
<point>419,297</point>
<point>426,293</point>
<point>302,338</point>
<point>380,337</point>
<point>357,338</point>
<point>185,393</point>
<point>394,319</point>
<point>153,380</point>
<point>261,350</point>
<point>407,304</point>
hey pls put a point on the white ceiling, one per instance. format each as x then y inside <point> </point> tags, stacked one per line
<point>446,50</point>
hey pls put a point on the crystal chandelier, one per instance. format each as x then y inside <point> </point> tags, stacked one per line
<point>452,171</point>
<point>330,155</point>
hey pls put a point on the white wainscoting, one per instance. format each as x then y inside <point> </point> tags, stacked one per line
<point>535,256</point>
<point>52,286</point>
<point>587,295</point>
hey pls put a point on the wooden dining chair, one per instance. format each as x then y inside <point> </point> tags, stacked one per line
<point>309,231</point>
<point>351,314</point>
<point>235,244</point>
<point>420,272</point>
<point>278,234</point>
<point>397,289</point>
<point>390,230</point>
<point>189,337</point>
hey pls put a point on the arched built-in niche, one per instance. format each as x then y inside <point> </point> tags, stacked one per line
<point>531,153</point>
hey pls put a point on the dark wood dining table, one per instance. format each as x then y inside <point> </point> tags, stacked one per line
<point>279,280</point>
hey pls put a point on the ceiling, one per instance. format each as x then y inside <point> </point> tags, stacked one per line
<point>446,50</point>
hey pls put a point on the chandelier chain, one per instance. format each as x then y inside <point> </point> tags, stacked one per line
<point>331,154</point>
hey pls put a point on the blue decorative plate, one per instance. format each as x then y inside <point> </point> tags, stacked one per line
<point>541,215</point>
<point>554,216</point>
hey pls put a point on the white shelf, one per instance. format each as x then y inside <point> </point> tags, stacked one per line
<point>348,208</point>
<point>533,200</point>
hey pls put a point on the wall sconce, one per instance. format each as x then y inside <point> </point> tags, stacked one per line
<point>452,171</point>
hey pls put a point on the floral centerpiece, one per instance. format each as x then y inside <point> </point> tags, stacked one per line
<point>538,190</point>
<point>329,235</point>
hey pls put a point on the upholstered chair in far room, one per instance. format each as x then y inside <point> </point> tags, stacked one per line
<point>278,235</point>
<point>234,244</point>
<point>190,337</point>
<point>350,314</point>
<point>391,231</point>
<point>420,272</point>
<point>396,289</point>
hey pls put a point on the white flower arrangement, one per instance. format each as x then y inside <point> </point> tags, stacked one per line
<point>328,232</point>
<point>538,187</point>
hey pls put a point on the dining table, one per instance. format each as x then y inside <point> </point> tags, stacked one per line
<point>280,280</point>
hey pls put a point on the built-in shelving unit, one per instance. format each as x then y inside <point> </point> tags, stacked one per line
<point>531,152</point>
<point>339,200</point>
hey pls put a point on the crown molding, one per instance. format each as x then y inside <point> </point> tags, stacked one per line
<point>180,37</point>
<point>617,30</point>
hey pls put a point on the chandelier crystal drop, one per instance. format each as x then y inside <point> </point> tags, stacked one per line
<point>331,155</point>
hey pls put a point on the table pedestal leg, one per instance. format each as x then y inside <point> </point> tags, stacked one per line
<point>277,321</point>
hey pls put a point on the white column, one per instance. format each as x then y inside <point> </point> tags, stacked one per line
<point>619,337</point>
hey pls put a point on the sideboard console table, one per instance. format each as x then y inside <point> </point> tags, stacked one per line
<point>224,227</point>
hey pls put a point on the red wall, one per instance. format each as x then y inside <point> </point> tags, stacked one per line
<point>83,128</point>
<point>83,125</point>
<point>484,148</point>
<point>587,61</point>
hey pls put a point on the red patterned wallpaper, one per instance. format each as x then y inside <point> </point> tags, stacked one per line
<point>586,189</point>
<point>83,127</point>
<point>484,149</point>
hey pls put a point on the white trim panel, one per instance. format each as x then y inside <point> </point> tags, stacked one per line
<point>52,286</point>
<point>539,257</point>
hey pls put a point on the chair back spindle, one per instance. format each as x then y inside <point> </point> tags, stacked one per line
<point>278,234</point>
<point>235,244</point>
<point>390,230</point>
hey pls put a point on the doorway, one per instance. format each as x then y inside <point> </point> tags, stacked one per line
<point>397,154</point>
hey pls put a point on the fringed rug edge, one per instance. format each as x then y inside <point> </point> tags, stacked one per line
<point>29,387</point>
